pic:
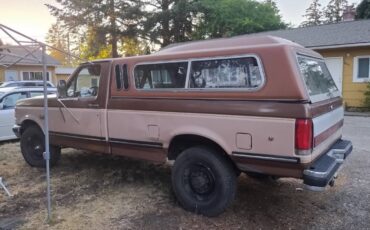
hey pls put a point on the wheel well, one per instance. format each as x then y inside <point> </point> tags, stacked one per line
<point>27,123</point>
<point>181,142</point>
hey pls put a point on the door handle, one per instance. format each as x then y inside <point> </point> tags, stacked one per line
<point>93,105</point>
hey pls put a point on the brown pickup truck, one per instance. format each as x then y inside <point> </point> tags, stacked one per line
<point>259,105</point>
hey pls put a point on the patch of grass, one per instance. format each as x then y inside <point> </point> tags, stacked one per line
<point>97,191</point>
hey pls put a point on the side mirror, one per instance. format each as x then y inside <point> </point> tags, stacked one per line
<point>62,89</point>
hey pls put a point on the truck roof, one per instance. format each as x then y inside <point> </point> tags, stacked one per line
<point>226,43</point>
<point>219,44</point>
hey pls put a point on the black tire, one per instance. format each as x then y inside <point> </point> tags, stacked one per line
<point>33,147</point>
<point>204,181</point>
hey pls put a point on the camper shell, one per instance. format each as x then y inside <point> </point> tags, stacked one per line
<point>260,105</point>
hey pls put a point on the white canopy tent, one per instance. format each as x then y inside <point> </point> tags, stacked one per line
<point>31,47</point>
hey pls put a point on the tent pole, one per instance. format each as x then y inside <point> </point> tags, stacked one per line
<point>46,131</point>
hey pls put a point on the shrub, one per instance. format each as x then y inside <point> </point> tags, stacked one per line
<point>367,97</point>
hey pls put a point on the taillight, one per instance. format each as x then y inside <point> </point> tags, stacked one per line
<point>303,134</point>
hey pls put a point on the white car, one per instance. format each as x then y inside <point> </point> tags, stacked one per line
<point>25,84</point>
<point>8,99</point>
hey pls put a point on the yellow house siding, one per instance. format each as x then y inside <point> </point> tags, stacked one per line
<point>2,74</point>
<point>24,68</point>
<point>353,92</point>
<point>62,77</point>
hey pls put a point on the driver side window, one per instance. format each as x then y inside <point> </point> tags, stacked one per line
<point>86,82</point>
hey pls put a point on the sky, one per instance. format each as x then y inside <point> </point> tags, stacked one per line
<point>32,17</point>
<point>293,10</point>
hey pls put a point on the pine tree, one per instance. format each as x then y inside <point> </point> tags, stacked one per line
<point>168,21</point>
<point>334,10</point>
<point>363,10</point>
<point>111,18</point>
<point>132,47</point>
<point>313,14</point>
<point>56,38</point>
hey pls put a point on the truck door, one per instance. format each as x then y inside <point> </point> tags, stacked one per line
<point>79,118</point>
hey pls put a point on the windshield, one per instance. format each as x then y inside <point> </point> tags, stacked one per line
<point>1,95</point>
<point>320,84</point>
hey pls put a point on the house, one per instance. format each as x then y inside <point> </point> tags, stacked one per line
<point>13,68</point>
<point>62,73</point>
<point>346,49</point>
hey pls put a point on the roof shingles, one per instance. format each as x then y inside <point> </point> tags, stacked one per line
<point>343,33</point>
<point>14,52</point>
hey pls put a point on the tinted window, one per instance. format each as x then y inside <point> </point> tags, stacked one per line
<point>125,76</point>
<point>119,77</point>
<point>226,73</point>
<point>30,84</point>
<point>161,76</point>
<point>317,77</point>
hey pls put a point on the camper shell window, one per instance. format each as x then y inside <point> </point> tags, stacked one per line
<point>227,73</point>
<point>320,84</point>
<point>244,73</point>
<point>161,76</point>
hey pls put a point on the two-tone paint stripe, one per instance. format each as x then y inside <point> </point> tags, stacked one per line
<point>327,124</point>
<point>110,140</point>
<point>265,157</point>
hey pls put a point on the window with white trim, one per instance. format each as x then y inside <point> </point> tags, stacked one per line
<point>361,72</point>
<point>34,75</point>
<point>242,72</point>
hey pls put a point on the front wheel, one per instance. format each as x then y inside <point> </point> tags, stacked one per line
<point>204,181</point>
<point>33,146</point>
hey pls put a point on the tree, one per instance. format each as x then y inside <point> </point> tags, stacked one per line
<point>122,26</point>
<point>363,10</point>
<point>56,37</point>
<point>225,18</point>
<point>168,21</point>
<point>94,45</point>
<point>132,47</point>
<point>334,10</point>
<point>110,19</point>
<point>313,14</point>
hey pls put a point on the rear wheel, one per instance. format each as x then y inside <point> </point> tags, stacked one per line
<point>204,181</point>
<point>33,147</point>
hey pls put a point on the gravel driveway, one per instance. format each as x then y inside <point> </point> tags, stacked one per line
<point>92,191</point>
